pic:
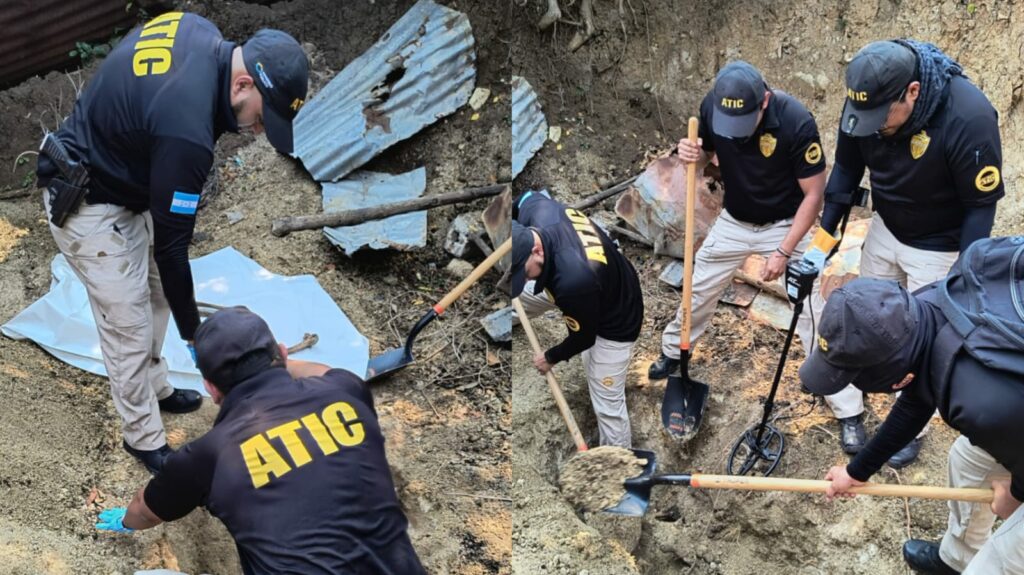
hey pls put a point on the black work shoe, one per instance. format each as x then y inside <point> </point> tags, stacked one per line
<point>153,460</point>
<point>851,434</point>
<point>923,557</point>
<point>907,455</point>
<point>664,367</point>
<point>181,401</point>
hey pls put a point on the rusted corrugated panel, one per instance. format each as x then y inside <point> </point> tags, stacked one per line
<point>421,70</point>
<point>37,35</point>
<point>529,127</point>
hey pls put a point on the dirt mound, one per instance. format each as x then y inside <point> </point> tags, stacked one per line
<point>593,480</point>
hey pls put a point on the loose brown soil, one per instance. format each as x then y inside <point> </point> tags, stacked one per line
<point>593,479</point>
<point>447,418</point>
<point>626,94</point>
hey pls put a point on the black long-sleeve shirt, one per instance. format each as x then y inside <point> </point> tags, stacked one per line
<point>145,127</point>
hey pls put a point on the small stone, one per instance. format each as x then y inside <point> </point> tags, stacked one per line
<point>479,98</point>
<point>234,217</point>
<point>459,268</point>
<point>555,133</point>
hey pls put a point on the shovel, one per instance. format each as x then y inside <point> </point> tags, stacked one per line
<point>395,359</point>
<point>556,391</point>
<point>682,407</point>
<point>638,489</point>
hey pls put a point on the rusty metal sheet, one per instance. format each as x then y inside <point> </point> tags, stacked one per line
<point>739,293</point>
<point>529,127</point>
<point>422,69</point>
<point>38,35</point>
<point>655,205</point>
<point>845,265</point>
<point>368,189</point>
<point>497,220</point>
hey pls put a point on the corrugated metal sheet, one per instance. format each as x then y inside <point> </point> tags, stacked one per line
<point>36,35</point>
<point>422,69</point>
<point>529,127</point>
<point>368,189</point>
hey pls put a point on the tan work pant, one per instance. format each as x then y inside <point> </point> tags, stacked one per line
<point>969,544</point>
<point>606,364</point>
<point>727,245</point>
<point>111,251</point>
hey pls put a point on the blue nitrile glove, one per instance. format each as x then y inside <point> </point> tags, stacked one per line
<point>192,350</point>
<point>816,257</point>
<point>113,520</point>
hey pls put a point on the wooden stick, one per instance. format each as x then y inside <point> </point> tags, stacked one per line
<point>308,341</point>
<point>691,192</point>
<point>284,226</point>
<point>563,407</point>
<point>770,287</point>
<point>604,194</point>
<point>743,482</point>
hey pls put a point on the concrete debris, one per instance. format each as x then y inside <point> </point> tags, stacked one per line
<point>554,134</point>
<point>655,205</point>
<point>529,127</point>
<point>459,240</point>
<point>498,325</point>
<point>422,69</point>
<point>368,189</point>
<point>479,98</point>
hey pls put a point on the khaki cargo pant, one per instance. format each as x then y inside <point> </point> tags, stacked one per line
<point>885,257</point>
<point>969,544</point>
<point>606,364</point>
<point>728,244</point>
<point>111,251</point>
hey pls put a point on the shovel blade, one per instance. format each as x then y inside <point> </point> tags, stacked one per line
<point>638,489</point>
<point>387,363</point>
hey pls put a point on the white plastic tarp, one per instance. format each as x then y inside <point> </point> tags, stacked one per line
<point>61,322</point>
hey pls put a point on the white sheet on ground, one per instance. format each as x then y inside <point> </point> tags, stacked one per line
<point>61,322</point>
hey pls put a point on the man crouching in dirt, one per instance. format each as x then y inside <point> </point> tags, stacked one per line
<point>294,465</point>
<point>773,168</point>
<point>878,335</point>
<point>123,177</point>
<point>574,266</point>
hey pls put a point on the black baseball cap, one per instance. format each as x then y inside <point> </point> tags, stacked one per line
<point>280,70</point>
<point>522,246</point>
<point>875,78</point>
<point>865,337</point>
<point>232,345</point>
<point>738,93</point>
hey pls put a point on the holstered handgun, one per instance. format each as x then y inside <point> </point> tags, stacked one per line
<point>69,188</point>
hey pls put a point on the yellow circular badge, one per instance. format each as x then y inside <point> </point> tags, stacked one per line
<point>987,179</point>
<point>571,323</point>
<point>813,153</point>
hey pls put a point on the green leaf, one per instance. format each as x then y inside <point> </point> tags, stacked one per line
<point>971,8</point>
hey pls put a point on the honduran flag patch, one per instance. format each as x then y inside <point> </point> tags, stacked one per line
<point>184,203</point>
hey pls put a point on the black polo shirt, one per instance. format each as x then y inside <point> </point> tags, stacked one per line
<point>295,468</point>
<point>921,185</point>
<point>585,275</point>
<point>145,127</point>
<point>761,173</point>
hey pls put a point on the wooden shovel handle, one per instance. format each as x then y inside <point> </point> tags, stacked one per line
<point>691,193</point>
<point>743,482</point>
<point>475,275</point>
<point>556,391</point>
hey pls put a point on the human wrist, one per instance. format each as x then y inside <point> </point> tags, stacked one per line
<point>782,252</point>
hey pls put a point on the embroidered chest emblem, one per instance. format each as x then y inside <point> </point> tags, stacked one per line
<point>919,144</point>
<point>767,145</point>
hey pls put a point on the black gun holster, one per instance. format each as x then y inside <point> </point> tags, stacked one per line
<point>64,200</point>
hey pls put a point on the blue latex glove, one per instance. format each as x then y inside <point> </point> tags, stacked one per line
<point>816,257</point>
<point>192,350</point>
<point>113,520</point>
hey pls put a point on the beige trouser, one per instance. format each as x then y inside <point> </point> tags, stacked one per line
<point>885,257</point>
<point>111,251</point>
<point>969,544</point>
<point>606,364</point>
<point>727,245</point>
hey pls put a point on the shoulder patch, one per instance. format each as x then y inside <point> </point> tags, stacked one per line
<point>987,179</point>
<point>571,323</point>
<point>184,203</point>
<point>813,154</point>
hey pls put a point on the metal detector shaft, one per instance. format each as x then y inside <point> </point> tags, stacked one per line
<point>798,307</point>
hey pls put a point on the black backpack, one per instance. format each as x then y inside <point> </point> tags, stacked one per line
<point>982,299</point>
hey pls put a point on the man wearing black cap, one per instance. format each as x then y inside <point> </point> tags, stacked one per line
<point>882,338</point>
<point>773,169</point>
<point>294,465</point>
<point>572,265</point>
<point>930,139</point>
<point>143,133</point>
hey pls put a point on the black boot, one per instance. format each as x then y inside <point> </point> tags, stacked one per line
<point>664,367</point>
<point>153,460</point>
<point>851,434</point>
<point>907,455</point>
<point>181,401</point>
<point>923,557</point>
